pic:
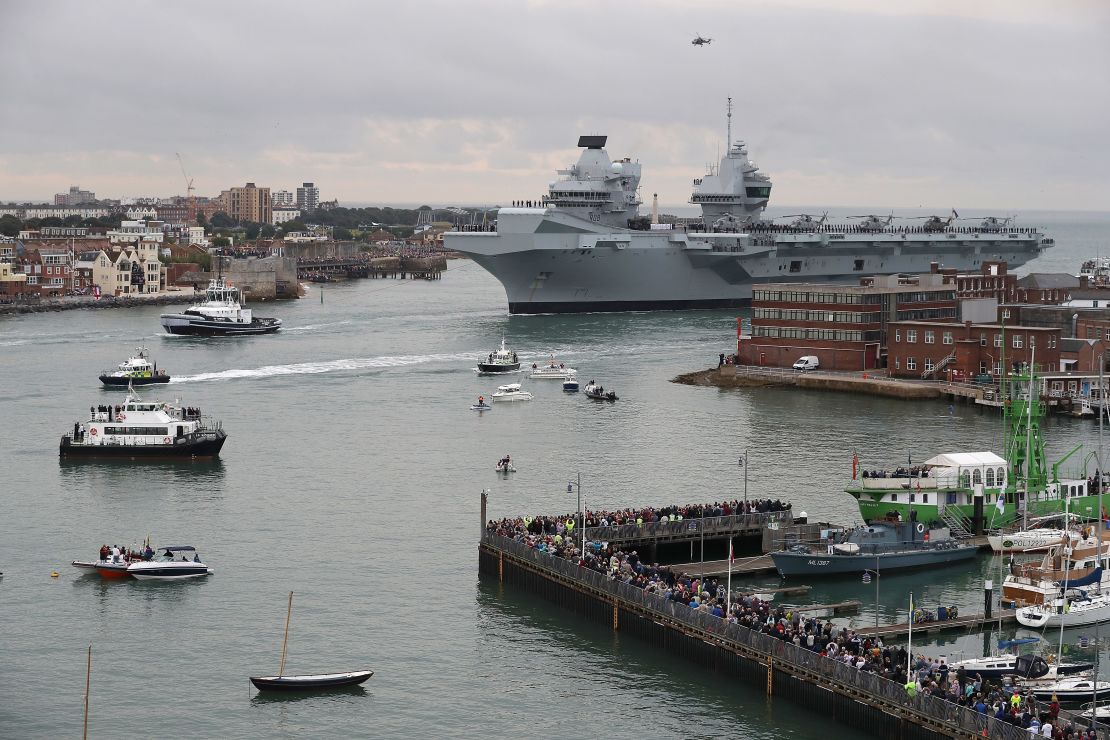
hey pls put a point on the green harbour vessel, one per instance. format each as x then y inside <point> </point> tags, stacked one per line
<point>952,486</point>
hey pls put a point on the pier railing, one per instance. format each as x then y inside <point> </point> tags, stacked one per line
<point>960,720</point>
<point>703,525</point>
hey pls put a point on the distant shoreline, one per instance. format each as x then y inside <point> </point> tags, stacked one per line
<point>70,304</point>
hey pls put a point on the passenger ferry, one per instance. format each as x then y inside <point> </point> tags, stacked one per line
<point>144,429</point>
<point>220,314</point>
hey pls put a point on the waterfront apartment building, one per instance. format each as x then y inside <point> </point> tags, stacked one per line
<point>281,215</point>
<point>12,283</point>
<point>960,351</point>
<point>48,269</point>
<point>249,203</point>
<point>308,197</point>
<point>844,326</point>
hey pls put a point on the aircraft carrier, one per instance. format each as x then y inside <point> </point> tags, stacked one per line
<point>585,247</point>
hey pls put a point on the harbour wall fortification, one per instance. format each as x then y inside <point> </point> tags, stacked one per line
<point>733,376</point>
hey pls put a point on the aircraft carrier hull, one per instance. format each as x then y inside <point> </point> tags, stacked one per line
<point>553,262</point>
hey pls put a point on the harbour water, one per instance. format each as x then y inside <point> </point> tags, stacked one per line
<point>352,476</point>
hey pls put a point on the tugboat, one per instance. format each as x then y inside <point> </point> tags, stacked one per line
<point>502,360</point>
<point>138,370</point>
<point>220,314</point>
<point>598,393</point>
<point>144,429</point>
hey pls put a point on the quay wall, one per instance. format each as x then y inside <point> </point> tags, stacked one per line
<point>842,693</point>
<point>70,304</point>
<point>731,376</point>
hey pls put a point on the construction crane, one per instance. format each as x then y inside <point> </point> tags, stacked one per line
<point>190,201</point>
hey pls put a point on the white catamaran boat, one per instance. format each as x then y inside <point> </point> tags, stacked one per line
<point>552,371</point>
<point>220,314</point>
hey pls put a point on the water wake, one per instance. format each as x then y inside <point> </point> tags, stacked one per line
<point>327,366</point>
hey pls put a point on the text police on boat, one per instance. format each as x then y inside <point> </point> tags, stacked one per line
<point>221,313</point>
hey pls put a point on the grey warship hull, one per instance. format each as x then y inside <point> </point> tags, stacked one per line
<point>554,262</point>
<point>820,564</point>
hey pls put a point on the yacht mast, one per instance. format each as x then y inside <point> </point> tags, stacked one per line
<point>1028,438</point>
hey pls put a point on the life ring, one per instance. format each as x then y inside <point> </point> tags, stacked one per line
<point>166,440</point>
<point>920,527</point>
<point>93,431</point>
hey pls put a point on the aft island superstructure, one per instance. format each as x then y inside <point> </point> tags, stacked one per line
<point>585,247</point>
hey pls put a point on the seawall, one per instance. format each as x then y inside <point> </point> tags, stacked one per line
<point>732,376</point>
<point>70,304</point>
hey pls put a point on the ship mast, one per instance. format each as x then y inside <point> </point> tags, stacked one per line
<point>728,135</point>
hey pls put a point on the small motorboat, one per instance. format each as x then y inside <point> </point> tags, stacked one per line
<point>502,360</point>
<point>505,465</point>
<point>314,681</point>
<point>511,392</point>
<point>309,681</point>
<point>570,385</point>
<point>552,371</point>
<point>164,567</point>
<point>137,370</point>
<point>598,393</point>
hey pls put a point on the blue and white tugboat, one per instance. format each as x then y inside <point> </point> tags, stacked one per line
<point>881,545</point>
<point>220,314</point>
<point>144,429</point>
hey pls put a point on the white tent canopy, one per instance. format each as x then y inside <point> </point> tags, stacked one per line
<point>965,459</point>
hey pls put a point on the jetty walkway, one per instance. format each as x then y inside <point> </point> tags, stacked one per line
<point>847,680</point>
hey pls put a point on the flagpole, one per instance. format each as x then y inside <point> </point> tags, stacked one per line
<point>728,588</point>
<point>909,642</point>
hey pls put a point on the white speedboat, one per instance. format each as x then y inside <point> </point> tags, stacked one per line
<point>511,392</point>
<point>167,566</point>
<point>220,314</point>
<point>552,371</point>
<point>1070,610</point>
<point>570,385</point>
<point>1043,533</point>
<point>499,361</point>
<point>1069,689</point>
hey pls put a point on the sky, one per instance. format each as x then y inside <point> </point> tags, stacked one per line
<point>943,104</point>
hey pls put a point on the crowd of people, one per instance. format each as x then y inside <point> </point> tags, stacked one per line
<point>915,471</point>
<point>652,514</point>
<point>118,553</point>
<point>922,674</point>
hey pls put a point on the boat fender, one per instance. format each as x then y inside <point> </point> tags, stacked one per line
<point>166,440</point>
<point>926,536</point>
<point>920,527</point>
<point>122,417</point>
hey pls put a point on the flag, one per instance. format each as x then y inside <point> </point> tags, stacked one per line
<point>855,464</point>
<point>96,292</point>
<point>1000,504</point>
<point>731,558</point>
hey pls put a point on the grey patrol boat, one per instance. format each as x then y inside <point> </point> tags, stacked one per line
<point>584,247</point>
<point>878,546</point>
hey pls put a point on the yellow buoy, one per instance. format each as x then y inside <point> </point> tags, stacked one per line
<point>54,574</point>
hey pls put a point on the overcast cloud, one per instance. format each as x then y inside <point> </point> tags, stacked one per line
<point>851,102</point>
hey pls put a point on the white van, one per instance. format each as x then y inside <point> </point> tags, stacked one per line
<point>809,362</point>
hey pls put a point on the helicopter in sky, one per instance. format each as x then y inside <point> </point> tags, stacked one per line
<point>806,222</point>
<point>872,222</point>
<point>699,41</point>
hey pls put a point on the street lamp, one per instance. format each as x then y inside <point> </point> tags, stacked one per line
<point>743,464</point>
<point>571,485</point>
<point>867,572</point>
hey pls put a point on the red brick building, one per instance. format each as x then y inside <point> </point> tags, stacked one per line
<point>845,326</point>
<point>953,350</point>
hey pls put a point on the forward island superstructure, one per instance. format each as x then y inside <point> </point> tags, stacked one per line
<point>585,247</point>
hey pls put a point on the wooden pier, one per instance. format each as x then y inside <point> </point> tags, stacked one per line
<point>761,565</point>
<point>787,672</point>
<point>968,623</point>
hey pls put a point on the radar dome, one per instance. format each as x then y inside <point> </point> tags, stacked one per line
<point>617,168</point>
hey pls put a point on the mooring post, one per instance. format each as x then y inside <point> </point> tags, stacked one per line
<point>616,616</point>
<point>770,675</point>
<point>987,600</point>
<point>500,566</point>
